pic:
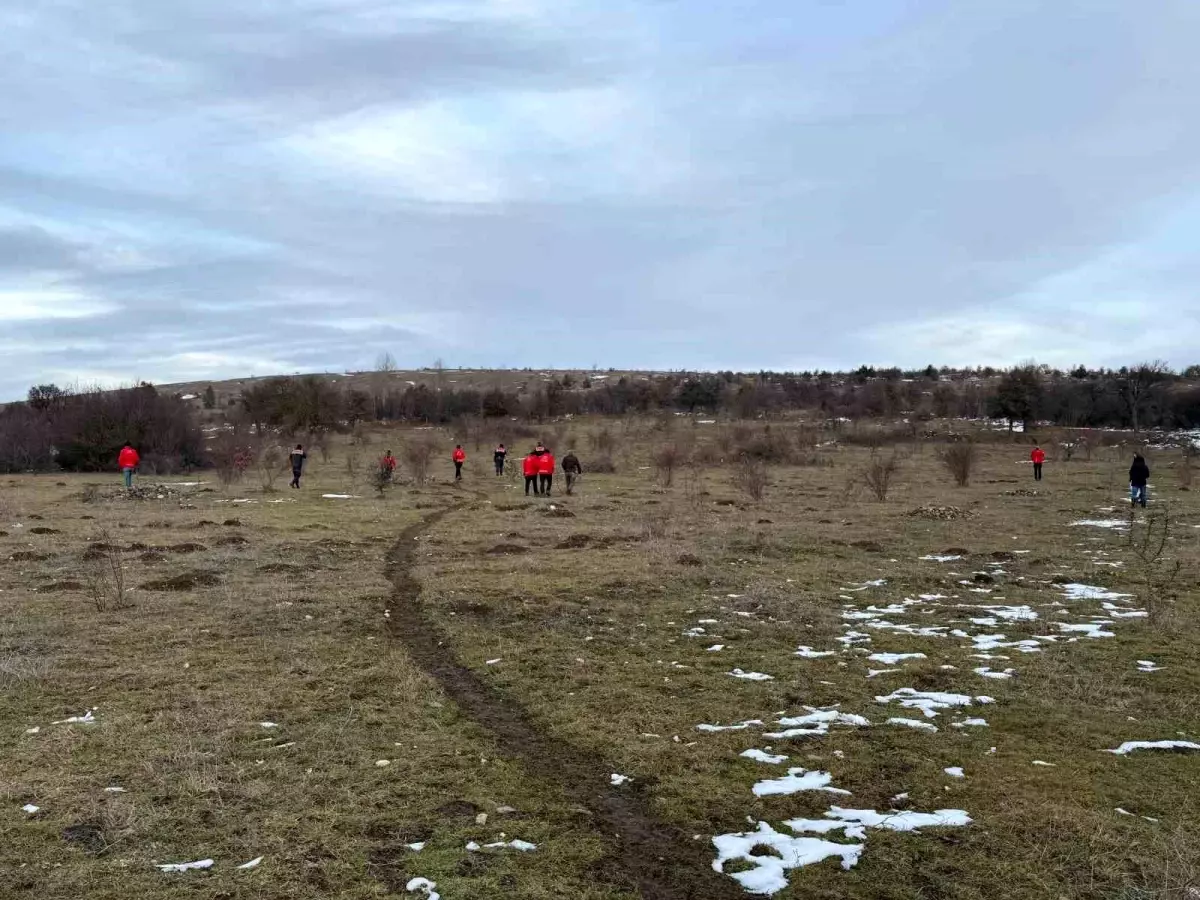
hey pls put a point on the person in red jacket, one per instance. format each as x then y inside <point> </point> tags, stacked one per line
<point>530,467</point>
<point>460,457</point>
<point>387,465</point>
<point>1038,456</point>
<point>546,472</point>
<point>128,460</point>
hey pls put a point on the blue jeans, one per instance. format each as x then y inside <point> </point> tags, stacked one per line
<point>128,477</point>
<point>1137,494</point>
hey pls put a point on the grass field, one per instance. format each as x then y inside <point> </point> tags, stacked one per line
<point>354,690</point>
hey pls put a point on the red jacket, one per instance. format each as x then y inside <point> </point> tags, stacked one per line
<point>389,463</point>
<point>460,455</point>
<point>128,458</point>
<point>530,465</point>
<point>546,463</point>
<point>1038,455</point>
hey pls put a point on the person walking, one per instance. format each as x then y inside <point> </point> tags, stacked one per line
<point>460,457</point>
<point>387,466</point>
<point>297,457</point>
<point>1038,456</point>
<point>1139,478</point>
<point>546,471</point>
<point>499,455</point>
<point>572,469</point>
<point>127,461</point>
<point>530,468</point>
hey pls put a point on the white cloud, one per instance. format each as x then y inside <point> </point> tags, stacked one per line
<point>31,302</point>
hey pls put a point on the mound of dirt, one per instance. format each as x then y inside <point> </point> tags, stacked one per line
<point>869,546</point>
<point>139,494</point>
<point>42,529</point>
<point>234,540</point>
<point>234,523</point>
<point>558,512</point>
<point>459,809</point>
<point>186,581</point>
<point>1002,556</point>
<point>187,548</point>
<point>939,512</point>
<point>574,542</point>
<point>507,549</point>
<point>28,556</point>
<point>1022,492</point>
<point>99,551</point>
<point>57,587</point>
<point>151,557</point>
<point>279,568</point>
<point>511,507</point>
<point>689,559</point>
<point>956,551</point>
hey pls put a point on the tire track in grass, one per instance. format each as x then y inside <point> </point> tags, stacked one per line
<point>648,857</point>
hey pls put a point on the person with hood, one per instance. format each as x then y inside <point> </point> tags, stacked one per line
<point>1038,456</point>
<point>460,457</point>
<point>572,469</point>
<point>127,461</point>
<point>1139,477</point>
<point>546,471</point>
<point>297,457</point>
<point>499,455</point>
<point>530,468</point>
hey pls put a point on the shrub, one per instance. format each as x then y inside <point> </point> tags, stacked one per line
<point>417,454</point>
<point>666,460</point>
<point>751,477</point>
<point>878,475</point>
<point>602,465</point>
<point>603,442</point>
<point>271,463</point>
<point>959,460</point>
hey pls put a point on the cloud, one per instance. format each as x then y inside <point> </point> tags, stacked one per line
<point>209,186</point>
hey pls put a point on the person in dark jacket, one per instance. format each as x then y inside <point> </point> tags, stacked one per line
<point>572,469</point>
<point>297,456</point>
<point>499,455</point>
<point>1139,477</point>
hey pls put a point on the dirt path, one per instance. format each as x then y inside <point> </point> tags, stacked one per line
<point>649,857</point>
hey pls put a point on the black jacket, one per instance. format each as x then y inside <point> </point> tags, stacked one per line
<point>298,457</point>
<point>1139,473</point>
<point>499,455</point>
<point>570,464</point>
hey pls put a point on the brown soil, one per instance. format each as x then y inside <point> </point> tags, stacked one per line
<point>185,582</point>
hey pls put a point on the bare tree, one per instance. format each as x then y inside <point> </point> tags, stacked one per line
<point>418,453</point>
<point>878,475</point>
<point>105,577</point>
<point>751,476</point>
<point>1158,575</point>
<point>1140,386</point>
<point>666,460</point>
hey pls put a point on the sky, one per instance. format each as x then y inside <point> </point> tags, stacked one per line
<point>209,189</point>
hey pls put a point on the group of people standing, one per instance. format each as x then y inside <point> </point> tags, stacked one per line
<point>538,468</point>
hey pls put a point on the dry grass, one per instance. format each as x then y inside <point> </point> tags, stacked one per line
<point>590,642</point>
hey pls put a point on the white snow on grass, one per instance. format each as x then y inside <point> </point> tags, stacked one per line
<point>751,676</point>
<point>522,846</point>
<point>941,557</point>
<point>424,885</point>
<point>253,864</point>
<point>815,722</point>
<point>769,875</point>
<point>763,757</point>
<point>913,723</point>
<point>954,771</point>
<point>890,659</point>
<point>617,780</point>
<point>1132,746</point>
<point>866,585</point>
<point>1100,523</point>
<point>986,672</point>
<point>854,637</point>
<point>186,867</point>
<point>856,820</point>
<point>88,718</point>
<point>1118,612</point>
<point>339,497</point>
<point>1087,629</point>
<point>875,673</point>
<point>740,726</point>
<point>985,642</point>
<point>1075,591</point>
<point>810,653</point>
<point>30,810</point>
<point>1042,762</point>
<point>1012,613</point>
<point>795,781</point>
<point>716,648</point>
<point>1148,665</point>
<point>929,702</point>
<point>970,723</point>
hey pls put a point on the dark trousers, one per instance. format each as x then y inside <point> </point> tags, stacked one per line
<point>458,471</point>
<point>499,467</point>
<point>547,481</point>
<point>1037,471</point>
<point>296,478</point>
<point>531,481</point>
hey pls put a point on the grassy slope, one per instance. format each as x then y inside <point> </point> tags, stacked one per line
<point>590,641</point>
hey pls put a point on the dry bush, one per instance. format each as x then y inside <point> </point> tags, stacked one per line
<point>104,578</point>
<point>418,453</point>
<point>959,459</point>
<point>666,460</point>
<point>770,445</point>
<point>381,478</point>
<point>603,442</point>
<point>1157,575</point>
<point>750,476</point>
<point>18,668</point>
<point>1186,471</point>
<point>602,465</point>
<point>232,455</point>
<point>878,475</point>
<point>320,440</point>
<point>271,463</point>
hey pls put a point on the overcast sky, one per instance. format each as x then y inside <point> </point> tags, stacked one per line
<point>217,188</point>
